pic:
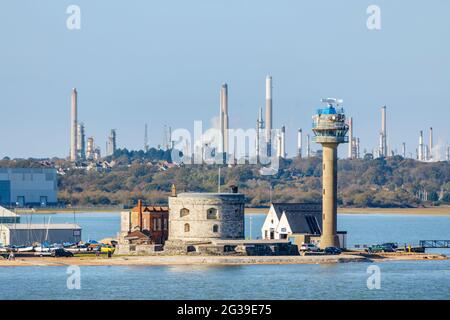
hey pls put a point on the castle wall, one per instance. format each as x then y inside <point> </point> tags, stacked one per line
<point>225,212</point>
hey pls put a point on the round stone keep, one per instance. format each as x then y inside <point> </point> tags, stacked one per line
<point>206,216</point>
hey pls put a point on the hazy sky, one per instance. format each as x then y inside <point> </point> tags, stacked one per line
<point>163,62</point>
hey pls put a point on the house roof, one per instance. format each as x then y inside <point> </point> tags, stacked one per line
<point>303,207</point>
<point>302,217</point>
<point>134,235</point>
<point>300,222</point>
<point>6,213</point>
<point>152,209</point>
<point>42,226</point>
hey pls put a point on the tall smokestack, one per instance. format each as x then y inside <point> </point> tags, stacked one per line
<point>74,126</point>
<point>421,149</point>
<point>224,117</point>
<point>268,113</point>
<point>357,155</point>
<point>299,143</point>
<point>283,142</point>
<point>350,138</point>
<point>404,150</point>
<point>81,147</point>
<point>430,151</point>
<point>259,127</point>
<point>384,152</point>
<point>278,146</point>
<point>308,146</point>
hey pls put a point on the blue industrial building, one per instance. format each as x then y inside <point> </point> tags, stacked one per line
<point>21,187</point>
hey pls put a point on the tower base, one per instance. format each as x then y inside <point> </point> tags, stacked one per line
<point>329,241</point>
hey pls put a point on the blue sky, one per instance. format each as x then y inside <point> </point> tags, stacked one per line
<point>163,62</point>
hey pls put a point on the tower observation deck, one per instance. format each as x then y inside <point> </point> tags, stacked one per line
<point>330,130</point>
<point>329,123</point>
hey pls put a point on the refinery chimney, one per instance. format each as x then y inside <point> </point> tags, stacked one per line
<point>421,149</point>
<point>383,150</point>
<point>404,150</point>
<point>430,147</point>
<point>111,145</point>
<point>330,130</point>
<point>308,146</point>
<point>81,147</point>
<point>90,149</point>
<point>299,143</point>
<point>259,129</point>
<point>224,118</point>
<point>73,126</point>
<point>283,142</point>
<point>269,114</point>
<point>350,138</point>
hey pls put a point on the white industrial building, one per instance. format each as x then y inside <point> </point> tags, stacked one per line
<point>27,234</point>
<point>28,186</point>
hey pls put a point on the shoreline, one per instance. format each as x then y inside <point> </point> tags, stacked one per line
<point>438,211</point>
<point>216,260</point>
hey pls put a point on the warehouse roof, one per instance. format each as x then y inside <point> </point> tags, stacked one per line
<point>38,226</point>
<point>6,213</point>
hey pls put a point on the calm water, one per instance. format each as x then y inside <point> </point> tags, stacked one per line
<point>399,280</point>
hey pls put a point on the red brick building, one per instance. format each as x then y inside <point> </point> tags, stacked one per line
<point>148,224</point>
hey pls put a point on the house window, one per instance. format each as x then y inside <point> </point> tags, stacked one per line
<point>187,227</point>
<point>211,213</point>
<point>215,228</point>
<point>184,212</point>
<point>165,224</point>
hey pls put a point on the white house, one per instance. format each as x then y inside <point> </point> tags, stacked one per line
<point>285,219</point>
<point>298,222</point>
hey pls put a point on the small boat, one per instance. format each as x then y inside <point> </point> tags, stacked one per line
<point>76,250</point>
<point>41,249</point>
<point>25,249</point>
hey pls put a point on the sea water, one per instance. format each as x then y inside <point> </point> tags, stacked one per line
<point>398,279</point>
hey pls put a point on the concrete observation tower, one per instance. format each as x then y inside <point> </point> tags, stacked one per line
<point>330,130</point>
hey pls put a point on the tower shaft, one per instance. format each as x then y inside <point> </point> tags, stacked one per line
<point>329,198</point>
